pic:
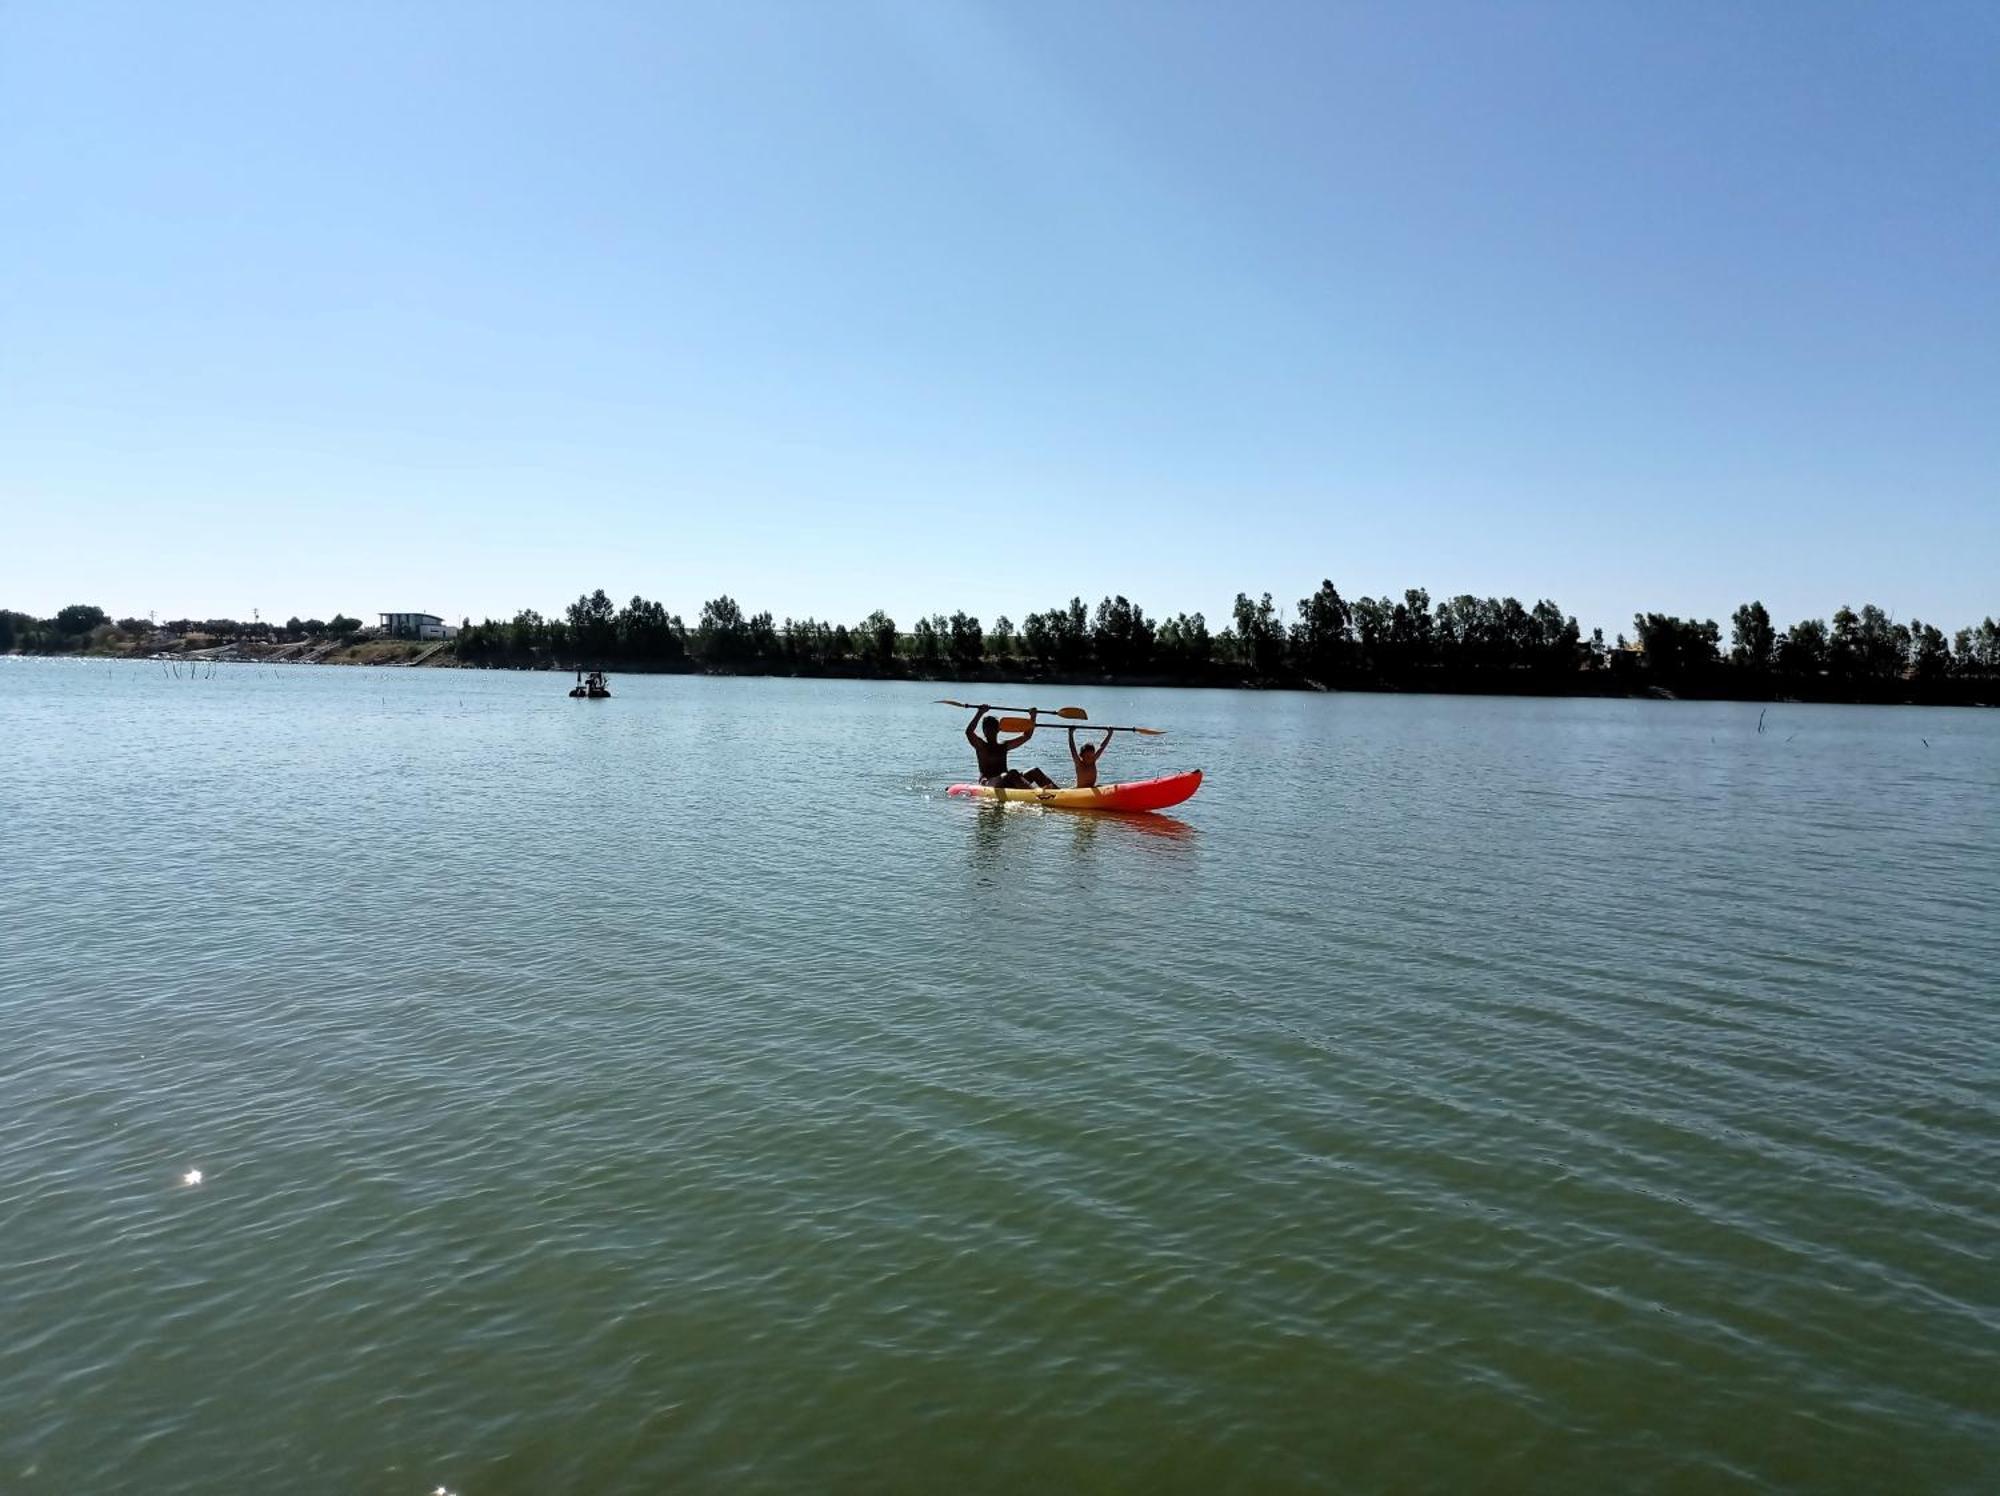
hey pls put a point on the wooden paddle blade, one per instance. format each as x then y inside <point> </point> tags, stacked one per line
<point>1074,713</point>
<point>1015,724</point>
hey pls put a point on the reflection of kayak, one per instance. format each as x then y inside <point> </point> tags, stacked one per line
<point>1139,794</point>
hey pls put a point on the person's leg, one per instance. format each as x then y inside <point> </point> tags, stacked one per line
<point>1040,780</point>
<point>1013,779</point>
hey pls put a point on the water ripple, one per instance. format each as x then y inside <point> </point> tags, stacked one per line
<point>1459,1095</point>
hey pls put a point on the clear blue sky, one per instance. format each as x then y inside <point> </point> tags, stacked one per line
<point>921,305</point>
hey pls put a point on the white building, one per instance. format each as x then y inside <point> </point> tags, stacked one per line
<point>416,626</point>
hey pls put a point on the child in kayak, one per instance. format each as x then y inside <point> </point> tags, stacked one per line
<point>1085,759</point>
<point>992,753</point>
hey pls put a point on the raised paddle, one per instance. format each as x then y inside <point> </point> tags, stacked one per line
<point>1074,713</point>
<point>1021,724</point>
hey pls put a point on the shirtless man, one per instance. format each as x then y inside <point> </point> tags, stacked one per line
<point>993,753</point>
<point>1085,759</point>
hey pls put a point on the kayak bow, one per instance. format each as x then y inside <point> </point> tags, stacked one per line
<point>1138,794</point>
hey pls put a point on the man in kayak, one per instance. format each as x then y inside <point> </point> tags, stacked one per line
<point>1085,759</point>
<point>993,751</point>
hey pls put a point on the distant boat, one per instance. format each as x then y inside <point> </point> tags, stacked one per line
<point>591,686</point>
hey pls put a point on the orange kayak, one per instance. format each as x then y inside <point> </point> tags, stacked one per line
<point>1138,794</point>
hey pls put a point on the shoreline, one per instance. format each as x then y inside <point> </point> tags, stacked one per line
<point>1610,685</point>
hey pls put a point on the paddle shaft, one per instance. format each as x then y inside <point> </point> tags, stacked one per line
<point>1072,713</point>
<point>1021,724</point>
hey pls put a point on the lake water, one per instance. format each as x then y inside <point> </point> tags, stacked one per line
<point>681,1093</point>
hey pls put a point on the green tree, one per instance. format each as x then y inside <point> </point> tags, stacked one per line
<point>1374,621</point>
<point>1320,637</point>
<point>1804,648</point>
<point>1677,648</point>
<point>1122,636</point>
<point>1259,634</point>
<point>1557,639</point>
<point>526,633</point>
<point>593,625</point>
<point>340,626</point>
<point>722,637</point>
<point>827,642</point>
<point>1059,637</point>
<point>1843,649</point>
<point>1183,644</point>
<point>927,643</point>
<point>1413,629</point>
<point>1517,635</point>
<point>80,618</point>
<point>1753,643</point>
<point>1072,635</point>
<point>807,643</point>
<point>877,633</point>
<point>1038,637</point>
<point>647,632</point>
<point>1978,650</point>
<point>967,643</point>
<point>1930,655</point>
<point>1468,632</point>
<point>1883,644</point>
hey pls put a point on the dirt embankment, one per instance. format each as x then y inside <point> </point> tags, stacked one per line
<point>259,651</point>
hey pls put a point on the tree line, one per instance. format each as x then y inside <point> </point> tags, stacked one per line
<point>1327,640</point>
<point>1401,643</point>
